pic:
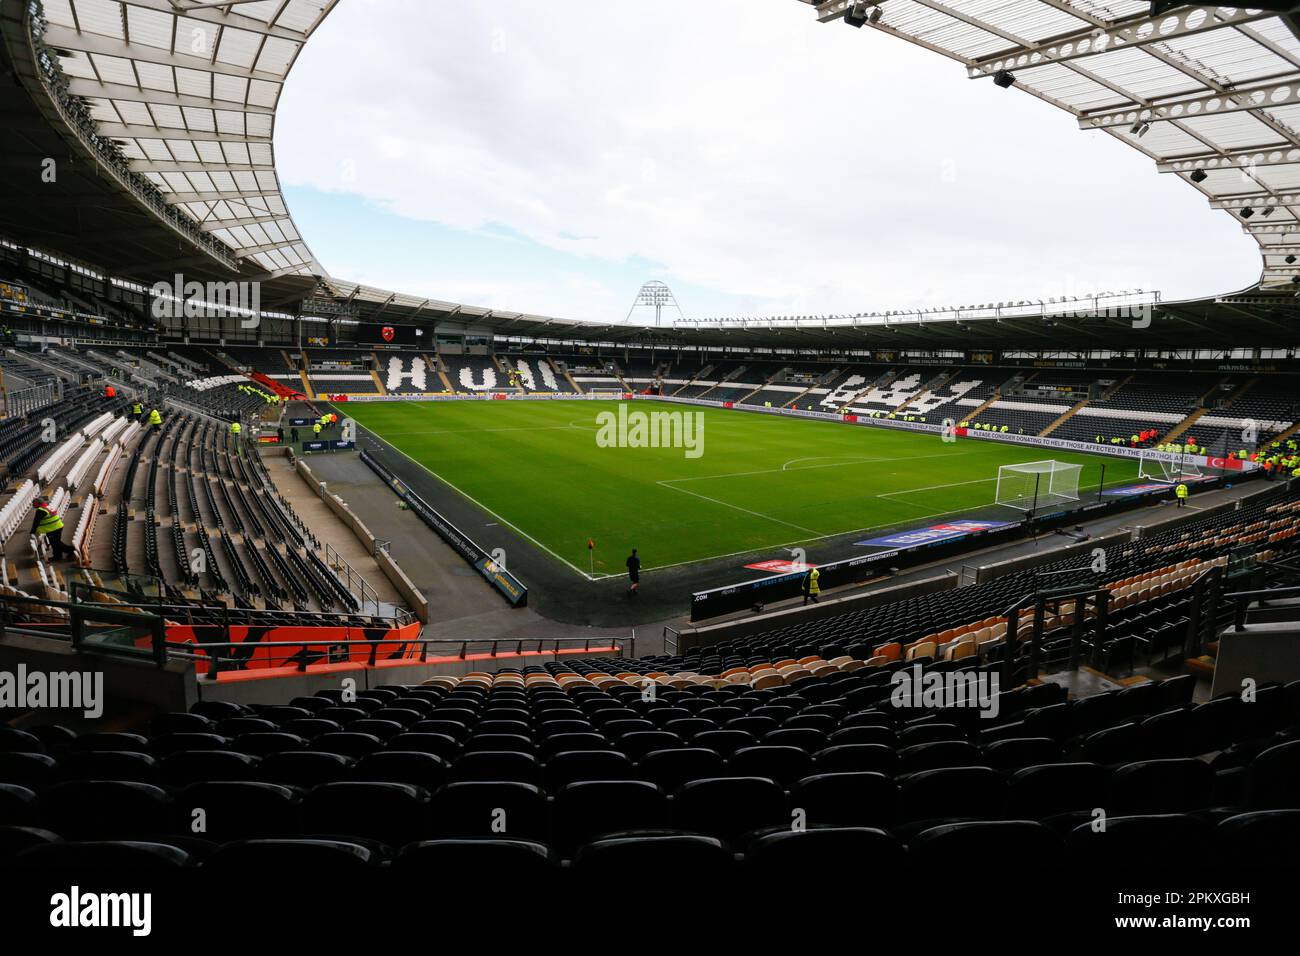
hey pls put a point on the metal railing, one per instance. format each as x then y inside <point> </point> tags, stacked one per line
<point>1242,600</point>
<point>351,579</point>
<point>24,401</point>
<point>300,655</point>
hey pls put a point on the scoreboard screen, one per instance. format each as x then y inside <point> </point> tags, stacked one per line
<point>377,333</point>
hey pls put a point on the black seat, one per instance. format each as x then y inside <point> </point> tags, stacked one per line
<point>192,766</point>
<point>394,813</point>
<point>497,765</point>
<point>403,766</point>
<point>179,722</point>
<point>672,768</point>
<point>290,856</point>
<point>16,839</point>
<point>1169,842</point>
<point>859,799</point>
<point>127,856</point>
<point>105,809</point>
<point>1263,839</point>
<point>785,765</point>
<point>639,743</point>
<point>347,743</point>
<point>1120,744</point>
<point>570,766</point>
<point>1017,752</point>
<point>303,768</point>
<point>865,734</point>
<point>184,740</point>
<point>107,765</point>
<point>487,856</point>
<point>236,810</point>
<point>441,745</point>
<point>26,769</point>
<point>589,809</point>
<point>857,758</point>
<point>1160,786</point>
<point>636,854</point>
<point>111,741</point>
<point>1273,778</point>
<point>727,807</point>
<point>309,727</point>
<point>939,754</point>
<point>261,743</point>
<point>18,806</point>
<point>950,792</point>
<point>825,849</point>
<point>1049,789</point>
<point>490,808</point>
<point>994,841</point>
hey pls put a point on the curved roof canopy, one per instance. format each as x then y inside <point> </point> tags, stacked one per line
<point>1211,94</point>
<point>188,89</point>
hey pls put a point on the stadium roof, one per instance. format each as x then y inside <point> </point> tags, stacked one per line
<point>188,90</point>
<point>185,91</point>
<point>1209,93</point>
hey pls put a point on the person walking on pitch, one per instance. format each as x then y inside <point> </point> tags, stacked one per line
<point>633,572</point>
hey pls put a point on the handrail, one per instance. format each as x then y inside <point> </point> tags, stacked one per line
<point>202,650</point>
<point>1266,592</point>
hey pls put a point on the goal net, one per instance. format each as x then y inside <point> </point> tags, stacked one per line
<point>1166,468</point>
<point>1038,484</point>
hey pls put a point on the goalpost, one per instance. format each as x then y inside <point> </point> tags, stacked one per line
<point>1166,467</point>
<point>1038,484</point>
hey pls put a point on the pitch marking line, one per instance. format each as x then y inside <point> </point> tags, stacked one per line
<point>519,531</point>
<point>727,504</point>
<point>777,471</point>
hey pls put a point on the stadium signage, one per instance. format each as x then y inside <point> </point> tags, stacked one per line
<point>934,534</point>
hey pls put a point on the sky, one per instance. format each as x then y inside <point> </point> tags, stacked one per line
<point>551,157</point>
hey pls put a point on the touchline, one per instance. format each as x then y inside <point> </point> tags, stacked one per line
<point>25,689</point>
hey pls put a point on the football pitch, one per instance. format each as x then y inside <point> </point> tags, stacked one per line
<point>760,482</point>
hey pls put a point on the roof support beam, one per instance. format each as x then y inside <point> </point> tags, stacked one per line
<point>1139,31</point>
<point>63,38</point>
<point>1214,104</point>
<point>1277,154</point>
<point>119,91</point>
<point>132,131</point>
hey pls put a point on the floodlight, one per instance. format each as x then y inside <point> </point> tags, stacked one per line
<point>1198,176</point>
<point>1004,79</point>
<point>1247,212</point>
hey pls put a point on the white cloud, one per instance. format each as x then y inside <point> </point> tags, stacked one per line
<point>788,165</point>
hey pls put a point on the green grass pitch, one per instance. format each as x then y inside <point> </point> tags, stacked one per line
<point>763,482</point>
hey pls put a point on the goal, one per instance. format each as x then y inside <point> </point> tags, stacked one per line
<point>1038,484</point>
<point>1167,468</point>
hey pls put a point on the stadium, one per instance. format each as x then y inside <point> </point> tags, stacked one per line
<point>308,581</point>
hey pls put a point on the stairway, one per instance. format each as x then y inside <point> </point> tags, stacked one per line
<point>1182,426</point>
<point>691,381</point>
<point>435,362</point>
<point>1070,414</point>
